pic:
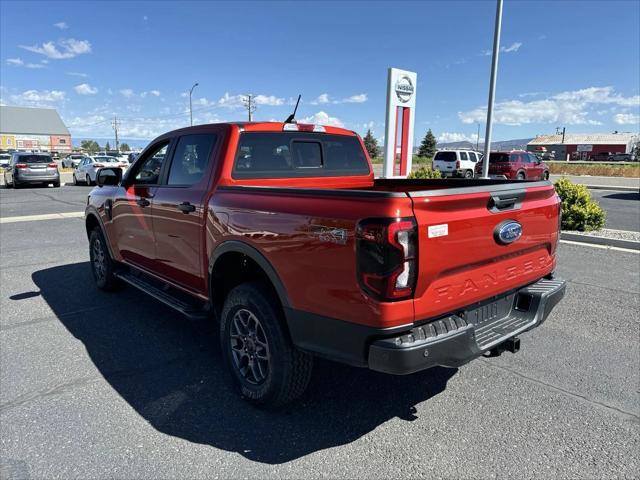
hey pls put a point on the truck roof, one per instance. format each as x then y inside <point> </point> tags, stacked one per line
<point>271,127</point>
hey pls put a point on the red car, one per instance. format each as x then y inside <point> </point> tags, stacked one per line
<point>280,233</point>
<point>517,165</point>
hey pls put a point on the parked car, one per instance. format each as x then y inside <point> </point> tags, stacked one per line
<point>72,161</point>
<point>515,165</point>
<point>132,157</point>
<point>456,163</point>
<point>282,235</point>
<point>85,172</point>
<point>622,157</point>
<point>31,168</point>
<point>5,160</point>
<point>601,157</point>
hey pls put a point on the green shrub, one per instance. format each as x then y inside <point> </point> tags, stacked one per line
<point>425,172</point>
<point>579,211</point>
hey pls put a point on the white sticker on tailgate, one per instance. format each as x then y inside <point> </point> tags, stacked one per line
<point>438,230</point>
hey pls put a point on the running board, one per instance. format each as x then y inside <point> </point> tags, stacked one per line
<point>192,309</point>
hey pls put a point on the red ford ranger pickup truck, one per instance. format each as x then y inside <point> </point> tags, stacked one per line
<point>281,233</point>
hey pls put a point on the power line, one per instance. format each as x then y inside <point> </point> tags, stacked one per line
<point>250,104</point>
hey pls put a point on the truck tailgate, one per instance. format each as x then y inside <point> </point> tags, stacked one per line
<point>462,259</point>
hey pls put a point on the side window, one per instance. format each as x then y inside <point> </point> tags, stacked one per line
<point>463,156</point>
<point>148,171</point>
<point>533,158</point>
<point>472,157</point>
<point>190,159</point>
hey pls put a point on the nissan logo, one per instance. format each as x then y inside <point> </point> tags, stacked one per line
<point>508,232</point>
<point>404,88</point>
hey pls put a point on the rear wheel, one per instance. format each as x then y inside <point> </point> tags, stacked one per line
<point>87,180</point>
<point>56,184</point>
<point>520,176</point>
<point>257,350</point>
<point>102,265</point>
<point>468,174</point>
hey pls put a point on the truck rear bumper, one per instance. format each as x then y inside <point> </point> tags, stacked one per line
<point>457,339</point>
<point>450,341</point>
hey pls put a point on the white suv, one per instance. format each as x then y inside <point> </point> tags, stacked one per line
<point>456,163</point>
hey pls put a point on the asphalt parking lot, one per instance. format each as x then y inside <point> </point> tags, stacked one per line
<point>623,208</point>
<point>97,385</point>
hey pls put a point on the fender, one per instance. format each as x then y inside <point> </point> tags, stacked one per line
<point>93,212</point>
<point>254,254</point>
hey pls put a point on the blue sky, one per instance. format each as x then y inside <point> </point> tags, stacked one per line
<point>573,64</point>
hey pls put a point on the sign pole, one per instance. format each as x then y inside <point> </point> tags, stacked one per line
<point>401,102</point>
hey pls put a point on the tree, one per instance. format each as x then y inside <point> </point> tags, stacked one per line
<point>90,146</point>
<point>428,145</point>
<point>371,144</point>
<point>107,146</point>
<point>124,147</point>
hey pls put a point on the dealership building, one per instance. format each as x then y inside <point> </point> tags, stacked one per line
<point>581,146</point>
<point>25,129</point>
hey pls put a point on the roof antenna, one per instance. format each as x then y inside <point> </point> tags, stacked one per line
<point>290,118</point>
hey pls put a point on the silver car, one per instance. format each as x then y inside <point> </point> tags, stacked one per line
<point>85,172</point>
<point>72,161</point>
<point>29,168</point>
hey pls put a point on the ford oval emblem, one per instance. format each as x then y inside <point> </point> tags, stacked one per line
<point>508,232</point>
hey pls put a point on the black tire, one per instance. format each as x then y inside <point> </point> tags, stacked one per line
<point>545,176</point>
<point>520,176</point>
<point>87,180</point>
<point>102,265</point>
<point>56,184</point>
<point>283,372</point>
<point>468,174</point>
<point>75,180</point>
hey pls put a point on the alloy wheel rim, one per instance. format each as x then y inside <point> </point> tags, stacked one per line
<point>249,347</point>
<point>99,259</point>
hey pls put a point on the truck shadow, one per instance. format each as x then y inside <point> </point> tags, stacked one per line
<point>170,372</point>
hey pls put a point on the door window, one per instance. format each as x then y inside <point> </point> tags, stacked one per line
<point>191,159</point>
<point>148,171</point>
<point>463,156</point>
<point>473,157</point>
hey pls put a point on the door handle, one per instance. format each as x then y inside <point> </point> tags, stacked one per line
<point>186,207</point>
<point>143,202</point>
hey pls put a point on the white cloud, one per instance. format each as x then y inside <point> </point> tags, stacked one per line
<point>570,108</point>
<point>66,48</point>
<point>361,98</point>
<point>323,118</point>
<point>326,98</point>
<point>78,74</point>
<point>236,101</point>
<point>127,93</point>
<point>514,47</point>
<point>18,62</point>
<point>61,25</point>
<point>155,93</point>
<point>448,137</point>
<point>626,119</point>
<point>268,100</point>
<point>85,89</point>
<point>38,98</point>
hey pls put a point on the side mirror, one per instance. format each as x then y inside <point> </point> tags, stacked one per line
<point>108,176</point>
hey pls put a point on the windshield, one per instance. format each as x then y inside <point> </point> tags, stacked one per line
<point>106,159</point>
<point>33,159</point>
<point>446,156</point>
<point>298,154</point>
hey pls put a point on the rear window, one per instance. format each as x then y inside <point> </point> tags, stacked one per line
<point>106,159</point>
<point>498,158</point>
<point>33,159</point>
<point>298,154</point>
<point>446,156</point>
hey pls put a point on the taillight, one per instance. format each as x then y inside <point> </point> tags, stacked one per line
<point>98,165</point>
<point>386,251</point>
<point>21,165</point>
<point>457,163</point>
<point>52,165</point>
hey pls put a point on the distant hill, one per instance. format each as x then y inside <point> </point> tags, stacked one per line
<point>517,144</point>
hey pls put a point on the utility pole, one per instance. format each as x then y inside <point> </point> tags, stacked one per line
<point>492,89</point>
<point>115,124</point>
<point>250,105</point>
<point>190,107</point>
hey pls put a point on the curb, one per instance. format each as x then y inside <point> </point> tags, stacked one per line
<point>613,187</point>
<point>610,242</point>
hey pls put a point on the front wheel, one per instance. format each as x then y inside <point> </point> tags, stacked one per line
<point>102,265</point>
<point>256,348</point>
<point>520,176</point>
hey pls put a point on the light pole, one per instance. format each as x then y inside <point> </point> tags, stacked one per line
<point>190,107</point>
<point>492,89</point>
